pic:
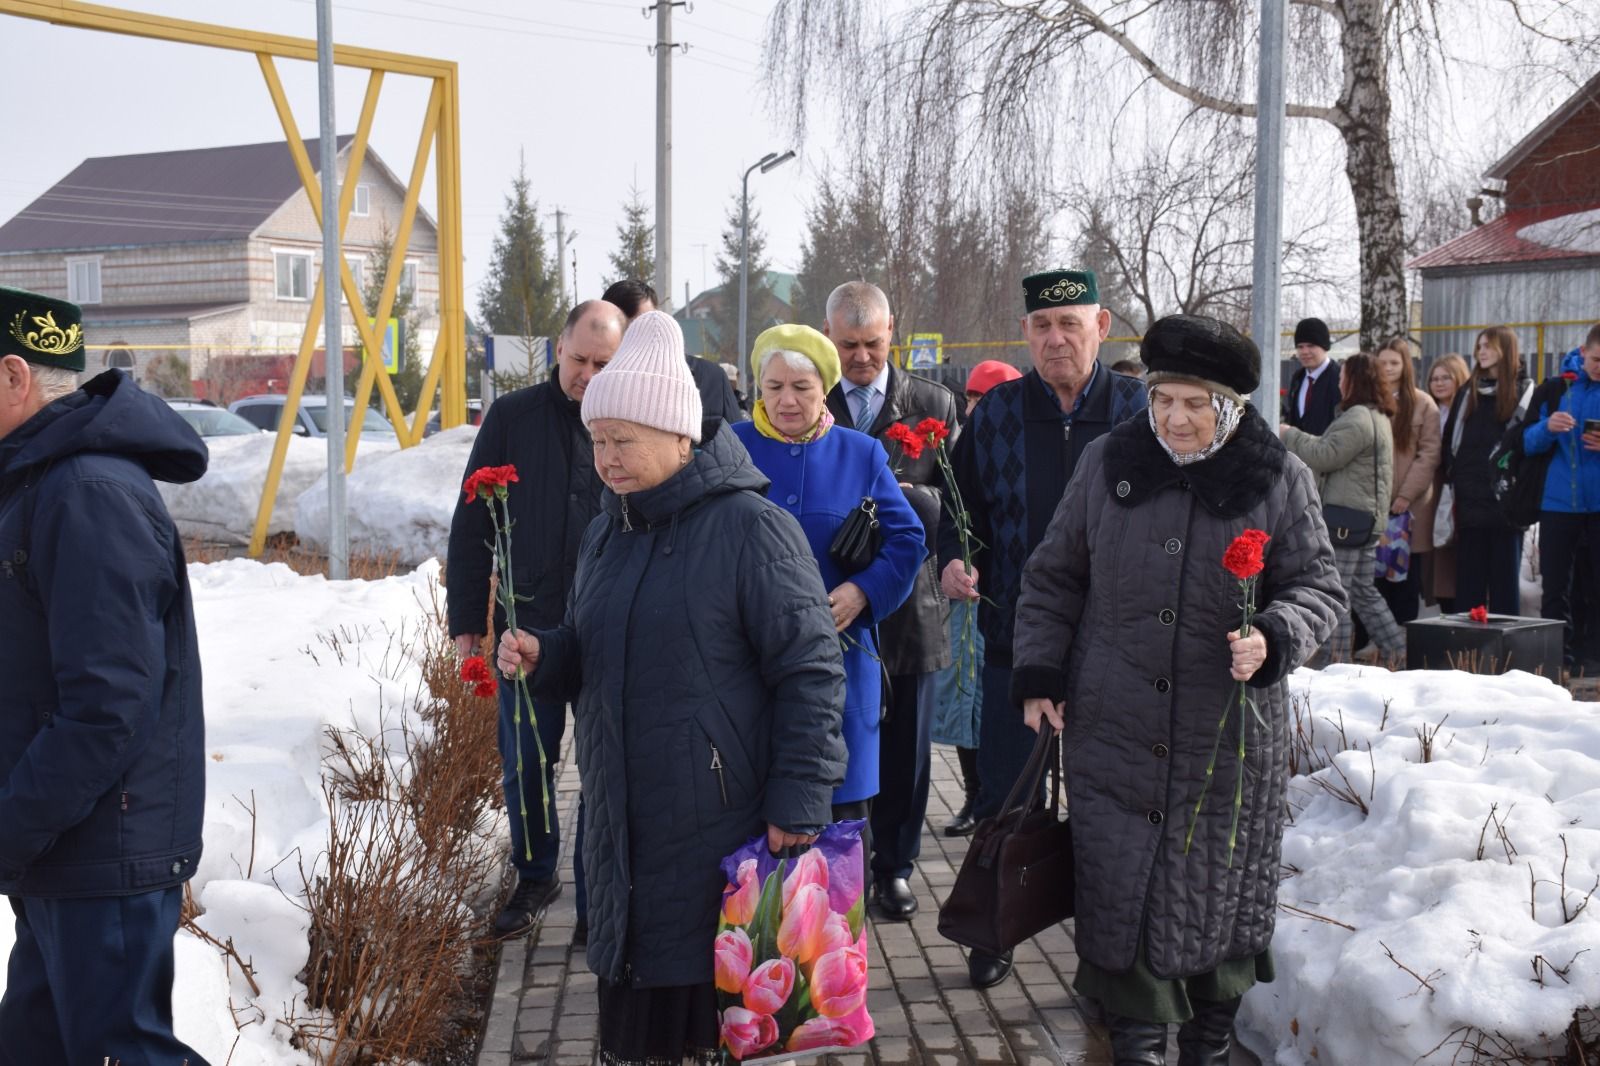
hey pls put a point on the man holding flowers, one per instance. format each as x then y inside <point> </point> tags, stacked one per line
<point>1185,574</point>
<point>538,432</point>
<point>875,398</point>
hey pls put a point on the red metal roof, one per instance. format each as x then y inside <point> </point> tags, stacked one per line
<point>1498,241</point>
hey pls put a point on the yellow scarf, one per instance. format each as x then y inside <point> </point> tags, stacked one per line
<point>764,425</point>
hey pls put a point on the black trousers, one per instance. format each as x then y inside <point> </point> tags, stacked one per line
<point>905,744</point>
<point>1488,562</point>
<point>1566,540</point>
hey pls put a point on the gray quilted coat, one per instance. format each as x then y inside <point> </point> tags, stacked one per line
<point>1124,612</point>
<point>709,686</point>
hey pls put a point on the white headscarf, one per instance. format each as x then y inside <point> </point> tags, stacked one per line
<point>1229,412</point>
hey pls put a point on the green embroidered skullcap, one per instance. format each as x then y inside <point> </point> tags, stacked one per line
<point>41,330</point>
<point>1059,288</point>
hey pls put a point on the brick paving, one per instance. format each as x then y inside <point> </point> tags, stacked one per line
<point>926,1012</point>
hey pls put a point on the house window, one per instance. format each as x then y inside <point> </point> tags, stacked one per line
<point>361,206</point>
<point>83,281</point>
<point>119,357</point>
<point>357,266</point>
<point>408,279</point>
<point>293,273</point>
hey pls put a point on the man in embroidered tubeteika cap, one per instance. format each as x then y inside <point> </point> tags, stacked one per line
<point>102,742</point>
<point>1012,463</point>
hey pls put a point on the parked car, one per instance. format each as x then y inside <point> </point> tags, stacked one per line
<point>209,420</point>
<point>266,410</point>
<point>474,418</point>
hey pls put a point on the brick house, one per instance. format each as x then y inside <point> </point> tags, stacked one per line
<point>1540,260</point>
<point>210,254</point>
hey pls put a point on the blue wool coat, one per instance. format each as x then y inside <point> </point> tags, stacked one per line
<point>820,484</point>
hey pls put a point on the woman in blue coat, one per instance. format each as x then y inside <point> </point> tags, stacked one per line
<point>820,473</point>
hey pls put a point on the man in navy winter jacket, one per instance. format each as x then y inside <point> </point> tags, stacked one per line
<point>1561,414</point>
<point>102,741</point>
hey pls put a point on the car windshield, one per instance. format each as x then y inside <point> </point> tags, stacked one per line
<point>215,422</point>
<point>373,423</point>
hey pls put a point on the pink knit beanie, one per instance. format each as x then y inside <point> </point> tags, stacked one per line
<point>647,381</point>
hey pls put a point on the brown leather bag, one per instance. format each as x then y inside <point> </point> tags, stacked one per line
<point>1017,878</point>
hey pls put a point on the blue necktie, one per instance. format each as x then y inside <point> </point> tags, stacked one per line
<point>862,397</point>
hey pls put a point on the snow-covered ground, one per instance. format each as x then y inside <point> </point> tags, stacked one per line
<point>272,682</point>
<point>221,507</point>
<point>1425,874</point>
<point>398,501</point>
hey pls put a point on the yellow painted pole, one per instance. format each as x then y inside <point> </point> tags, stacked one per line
<point>452,315</point>
<point>419,422</point>
<point>291,407</point>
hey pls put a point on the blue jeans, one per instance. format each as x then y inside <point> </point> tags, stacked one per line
<point>1004,742</point>
<point>535,856</point>
<point>90,981</point>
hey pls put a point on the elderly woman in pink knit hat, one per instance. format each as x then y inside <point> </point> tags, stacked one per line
<point>700,654</point>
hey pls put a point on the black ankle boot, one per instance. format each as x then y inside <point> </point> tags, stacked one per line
<point>1136,1043</point>
<point>1207,1038</point>
<point>962,823</point>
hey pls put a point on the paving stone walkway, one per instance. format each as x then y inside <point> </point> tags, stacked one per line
<point>926,1012</point>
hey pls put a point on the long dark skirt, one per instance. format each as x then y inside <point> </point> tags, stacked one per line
<point>657,1026</point>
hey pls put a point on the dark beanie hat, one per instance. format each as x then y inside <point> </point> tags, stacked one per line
<point>1203,350</point>
<point>1313,331</point>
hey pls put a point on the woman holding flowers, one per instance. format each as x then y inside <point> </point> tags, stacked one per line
<point>706,678</point>
<point>820,472</point>
<point>1136,637</point>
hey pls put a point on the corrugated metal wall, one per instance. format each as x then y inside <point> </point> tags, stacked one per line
<point>1510,296</point>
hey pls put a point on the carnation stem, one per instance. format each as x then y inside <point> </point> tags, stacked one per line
<point>521,697</point>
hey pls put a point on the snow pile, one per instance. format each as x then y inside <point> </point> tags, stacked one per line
<point>1456,869</point>
<point>273,679</point>
<point>1577,232</point>
<point>221,507</point>
<point>398,501</point>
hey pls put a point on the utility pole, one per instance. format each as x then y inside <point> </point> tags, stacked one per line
<point>332,330</point>
<point>561,253</point>
<point>574,276</point>
<point>663,53</point>
<point>1266,277</point>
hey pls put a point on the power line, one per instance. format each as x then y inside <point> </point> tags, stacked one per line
<point>480,26</point>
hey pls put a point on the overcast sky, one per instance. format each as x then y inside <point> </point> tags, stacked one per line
<point>569,82</point>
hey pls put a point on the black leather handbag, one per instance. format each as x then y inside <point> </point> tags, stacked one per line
<point>1347,526</point>
<point>1017,878</point>
<point>856,544</point>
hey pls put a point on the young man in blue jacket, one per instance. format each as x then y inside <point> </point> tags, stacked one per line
<point>102,742</point>
<point>1564,414</point>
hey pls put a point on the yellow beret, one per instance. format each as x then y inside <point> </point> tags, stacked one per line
<point>808,342</point>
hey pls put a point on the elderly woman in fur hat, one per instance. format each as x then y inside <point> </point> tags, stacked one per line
<point>1128,640</point>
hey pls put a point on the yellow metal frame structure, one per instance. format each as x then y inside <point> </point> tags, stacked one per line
<point>440,137</point>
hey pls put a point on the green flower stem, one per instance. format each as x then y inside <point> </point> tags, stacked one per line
<point>1240,699</point>
<point>508,603</point>
<point>967,652</point>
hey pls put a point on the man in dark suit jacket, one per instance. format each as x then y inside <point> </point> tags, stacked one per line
<point>1312,400</point>
<point>915,640</point>
<point>716,391</point>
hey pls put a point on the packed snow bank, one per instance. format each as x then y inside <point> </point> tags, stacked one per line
<point>284,656</point>
<point>1497,930</point>
<point>221,507</point>
<point>400,501</point>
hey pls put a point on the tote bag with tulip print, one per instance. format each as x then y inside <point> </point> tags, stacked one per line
<point>791,949</point>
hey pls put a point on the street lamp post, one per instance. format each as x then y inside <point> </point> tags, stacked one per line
<point>770,161</point>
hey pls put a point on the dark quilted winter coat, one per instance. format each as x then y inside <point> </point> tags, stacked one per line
<point>698,636</point>
<point>1124,612</point>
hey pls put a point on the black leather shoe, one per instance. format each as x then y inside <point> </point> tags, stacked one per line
<point>963,823</point>
<point>896,901</point>
<point>1136,1043</point>
<point>1207,1038</point>
<point>988,970</point>
<point>527,902</point>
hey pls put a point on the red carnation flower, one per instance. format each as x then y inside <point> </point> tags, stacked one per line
<point>489,481</point>
<point>909,442</point>
<point>475,670</point>
<point>484,689</point>
<point>933,430</point>
<point>1479,613</point>
<point>1569,376</point>
<point>1243,557</point>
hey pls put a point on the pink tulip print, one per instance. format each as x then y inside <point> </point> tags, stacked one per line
<point>791,949</point>
<point>732,956</point>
